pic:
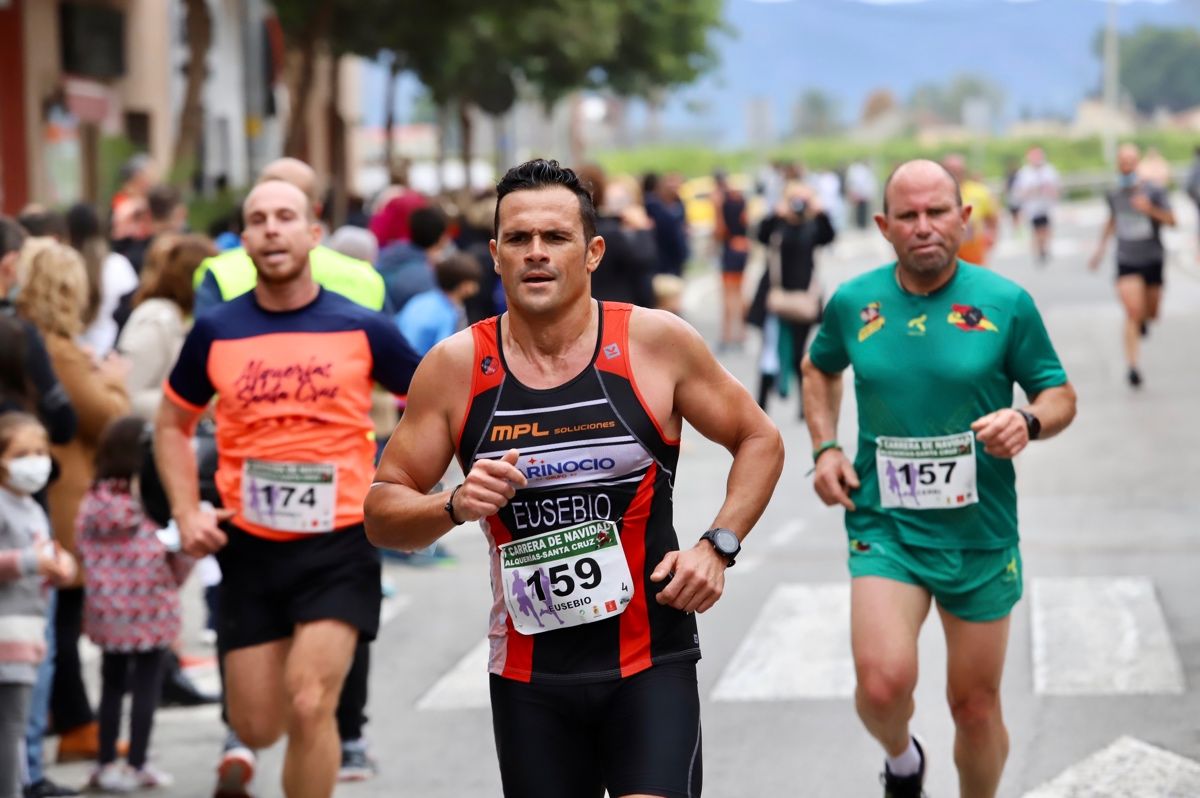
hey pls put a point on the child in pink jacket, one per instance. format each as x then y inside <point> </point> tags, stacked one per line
<point>131,609</point>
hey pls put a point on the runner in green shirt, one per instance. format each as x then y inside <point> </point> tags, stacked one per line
<point>936,345</point>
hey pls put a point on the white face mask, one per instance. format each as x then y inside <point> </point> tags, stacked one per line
<point>28,474</point>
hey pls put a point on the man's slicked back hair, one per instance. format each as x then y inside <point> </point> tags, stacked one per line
<point>539,174</point>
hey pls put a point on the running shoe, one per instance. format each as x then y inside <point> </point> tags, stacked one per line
<point>904,786</point>
<point>357,764</point>
<point>45,788</point>
<point>1135,378</point>
<point>115,777</point>
<point>148,777</point>
<point>235,770</point>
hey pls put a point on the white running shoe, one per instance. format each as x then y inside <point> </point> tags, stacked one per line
<point>149,777</point>
<point>115,777</point>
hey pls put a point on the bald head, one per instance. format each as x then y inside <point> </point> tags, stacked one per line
<point>294,171</point>
<point>919,174</point>
<point>1128,156</point>
<point>277,192</point>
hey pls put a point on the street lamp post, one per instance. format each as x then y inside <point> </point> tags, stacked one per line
<point>1112,88</point>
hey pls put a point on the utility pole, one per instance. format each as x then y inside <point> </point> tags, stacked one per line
<point>1112,86</point>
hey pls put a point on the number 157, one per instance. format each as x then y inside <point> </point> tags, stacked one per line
<point>926,473</point>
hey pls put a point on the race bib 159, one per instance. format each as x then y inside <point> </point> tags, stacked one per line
<point>567,577</point>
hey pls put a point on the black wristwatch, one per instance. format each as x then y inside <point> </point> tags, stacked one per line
<point>1033,424</point>
<point>726,542</point>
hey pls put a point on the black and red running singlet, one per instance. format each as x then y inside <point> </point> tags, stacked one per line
<point>591,451</point>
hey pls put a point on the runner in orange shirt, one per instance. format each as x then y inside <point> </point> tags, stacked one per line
<point>292,366</point>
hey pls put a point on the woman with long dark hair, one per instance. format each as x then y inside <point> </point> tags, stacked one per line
<point>110,276</point>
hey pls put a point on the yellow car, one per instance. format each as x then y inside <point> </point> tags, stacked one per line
<point>697,196</point>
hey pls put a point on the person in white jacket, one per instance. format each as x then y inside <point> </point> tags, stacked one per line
<point>162,314</point>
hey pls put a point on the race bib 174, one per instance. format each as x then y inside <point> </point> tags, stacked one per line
<point>926,473</point>
<point>290,497</point>
<point>567,577</point>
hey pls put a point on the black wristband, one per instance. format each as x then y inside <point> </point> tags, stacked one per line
<point>450,506</point>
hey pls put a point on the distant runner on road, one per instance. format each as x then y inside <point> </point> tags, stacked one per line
<point>1036,187</point>
<point>1137,213</point>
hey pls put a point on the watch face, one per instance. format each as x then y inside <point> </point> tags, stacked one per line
<point>726,541</point>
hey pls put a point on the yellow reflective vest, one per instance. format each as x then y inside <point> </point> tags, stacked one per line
<point>354,279</point>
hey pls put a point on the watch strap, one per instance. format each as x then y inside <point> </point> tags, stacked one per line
<point>1032,423</point>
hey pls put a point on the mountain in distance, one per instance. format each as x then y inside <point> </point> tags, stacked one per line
<point>1038,51</point>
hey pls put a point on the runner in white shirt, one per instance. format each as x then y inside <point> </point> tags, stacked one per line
<point>1036,188</point>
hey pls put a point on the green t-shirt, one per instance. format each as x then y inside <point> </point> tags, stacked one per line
<point>929,366</point>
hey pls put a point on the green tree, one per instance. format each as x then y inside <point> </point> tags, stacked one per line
<point>185,157</point>
<point>660,45</point>
<point>1159,67</point>
<point>473,53</point>
<point>306,25</point>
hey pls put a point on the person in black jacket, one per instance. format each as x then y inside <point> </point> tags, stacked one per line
<point>795,229</point>
<point>666,209</point>
<point>626,271</point>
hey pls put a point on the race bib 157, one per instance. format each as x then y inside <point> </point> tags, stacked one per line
<point>926,473</point>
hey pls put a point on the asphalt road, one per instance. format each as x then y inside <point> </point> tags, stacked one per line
<point>1100,691</point>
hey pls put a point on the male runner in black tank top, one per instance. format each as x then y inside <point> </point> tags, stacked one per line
<point>565,414</point>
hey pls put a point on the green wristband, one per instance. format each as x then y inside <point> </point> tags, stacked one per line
<point>824,447</point>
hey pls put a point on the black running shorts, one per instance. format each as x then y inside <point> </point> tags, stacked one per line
<point>640,734</point>
<point>267,586</point>
<point>1151,273</point>
<point>1040,221</point>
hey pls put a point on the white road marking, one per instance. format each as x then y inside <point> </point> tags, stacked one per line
<point>465,686</point>
<point>205,713</point>
<point>798,647</point>
<point>1129,768</point>
<point>1101,636</point>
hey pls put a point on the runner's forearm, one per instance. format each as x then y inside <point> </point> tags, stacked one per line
<point>1105,234</point>
<point>177,468</point>
<point>822,397</point>
<point>757,464</point>
<point>1163,216</point>
<point>1055,408</point>
<point>398,517</point>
